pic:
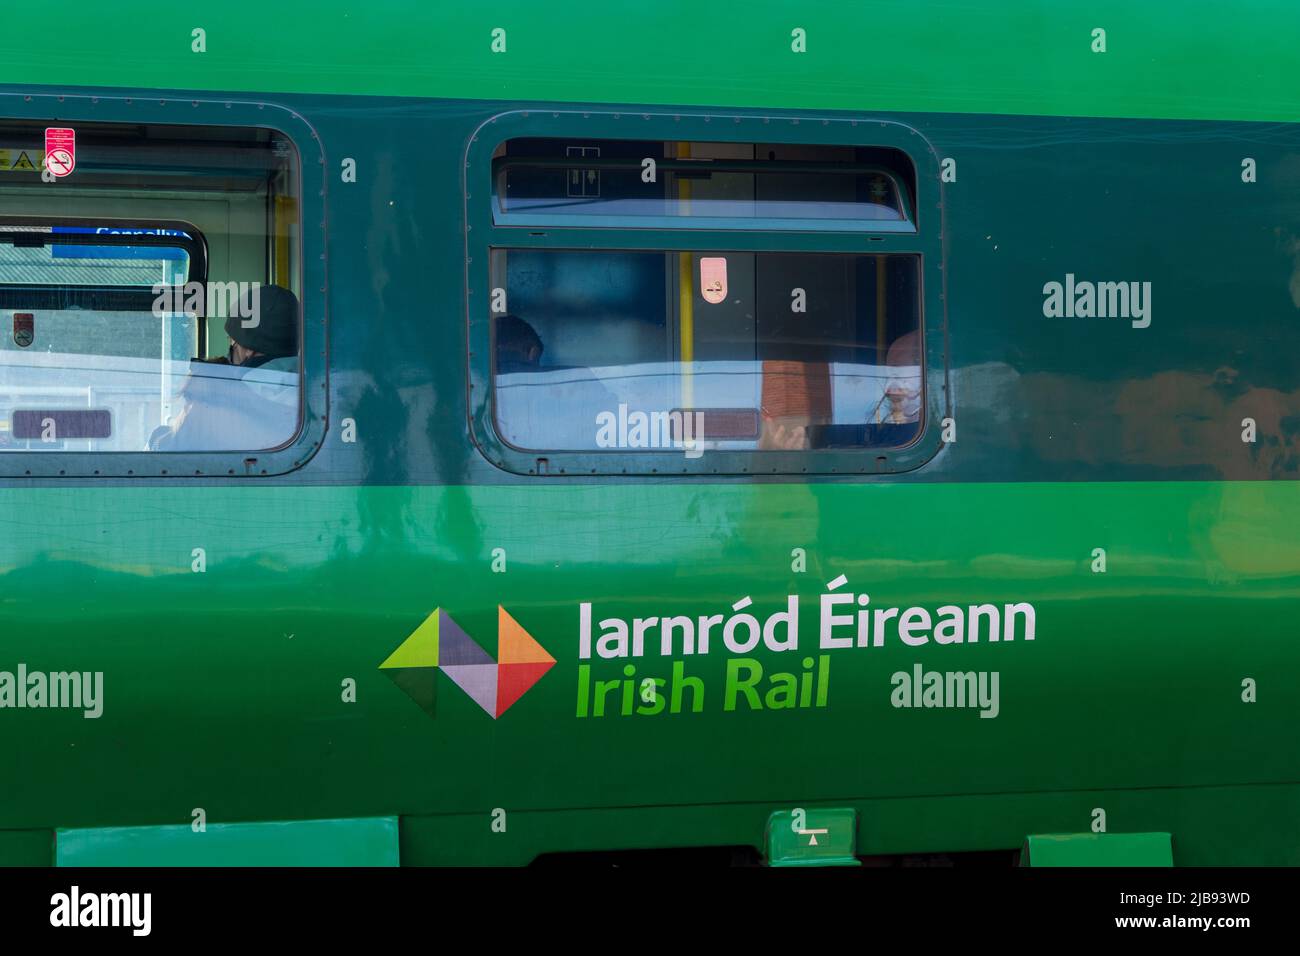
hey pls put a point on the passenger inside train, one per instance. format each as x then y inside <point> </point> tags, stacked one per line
<point>252,392</point>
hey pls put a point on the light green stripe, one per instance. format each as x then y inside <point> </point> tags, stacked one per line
<point>1192,59</point>
<point>358,842</point>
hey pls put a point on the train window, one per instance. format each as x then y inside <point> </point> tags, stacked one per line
<point>706,350</point>
<point>800,187</point>
<point>648,297</point>
<point>149,297</point>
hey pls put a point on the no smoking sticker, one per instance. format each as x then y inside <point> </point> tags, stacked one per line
<point>713,280</point>
<point>60,151</point>
<point>24,329</point>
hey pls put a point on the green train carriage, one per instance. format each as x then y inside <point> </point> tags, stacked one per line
<point>960,509</point>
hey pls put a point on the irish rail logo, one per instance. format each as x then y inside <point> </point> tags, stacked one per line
<point>440,644</point>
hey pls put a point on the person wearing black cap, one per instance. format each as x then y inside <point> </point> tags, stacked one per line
<point>249,400</point>
<point>266,329</point>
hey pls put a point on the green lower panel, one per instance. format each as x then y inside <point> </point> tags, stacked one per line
<point>1098,849</point>
<point>355,842</point>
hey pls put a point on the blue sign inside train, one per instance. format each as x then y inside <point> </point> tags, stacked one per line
<point>116,251</point>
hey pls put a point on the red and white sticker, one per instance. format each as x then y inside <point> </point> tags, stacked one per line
<point>60,151</point>
<point>713,280</point>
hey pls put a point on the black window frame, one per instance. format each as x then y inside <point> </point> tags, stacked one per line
<point>484,233</point>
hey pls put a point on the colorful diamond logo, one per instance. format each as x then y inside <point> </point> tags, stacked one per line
<point>441,643</point>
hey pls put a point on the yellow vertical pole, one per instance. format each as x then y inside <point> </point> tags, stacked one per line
<point>285,213</point>
<point>686,293</point>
